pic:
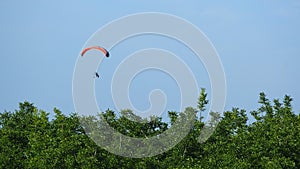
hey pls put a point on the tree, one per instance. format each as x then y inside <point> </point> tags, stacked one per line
<point>28,139</point>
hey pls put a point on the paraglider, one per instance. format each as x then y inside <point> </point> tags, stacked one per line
<point>104,51</point>
<point>96,74</point>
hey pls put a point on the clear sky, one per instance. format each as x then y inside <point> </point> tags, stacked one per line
<point>258,42</point>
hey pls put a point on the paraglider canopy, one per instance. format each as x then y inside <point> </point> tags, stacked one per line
<point>103,50</point>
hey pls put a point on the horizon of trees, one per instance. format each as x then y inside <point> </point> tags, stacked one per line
<point>29,139</point>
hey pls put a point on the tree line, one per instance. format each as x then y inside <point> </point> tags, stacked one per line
<point>29,139</point>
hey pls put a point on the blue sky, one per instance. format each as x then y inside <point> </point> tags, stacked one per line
<point>258,42</point>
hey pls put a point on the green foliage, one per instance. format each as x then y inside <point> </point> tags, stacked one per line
<point>28,139</point>
<point>202,102</point>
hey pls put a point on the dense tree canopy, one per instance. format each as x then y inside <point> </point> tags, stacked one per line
<point>28,139</point>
